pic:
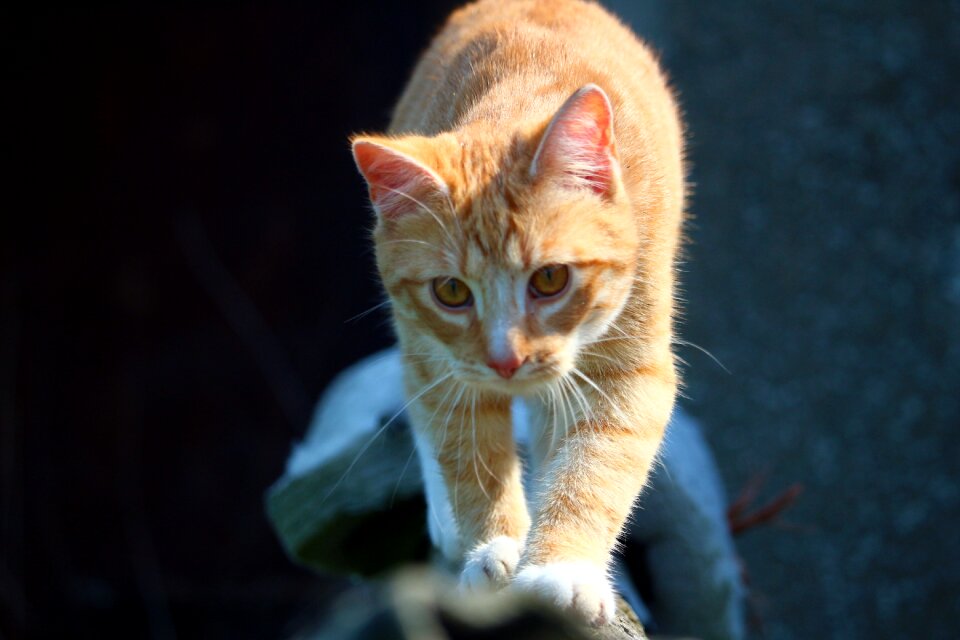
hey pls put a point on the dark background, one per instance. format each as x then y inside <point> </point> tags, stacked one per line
<point>188,240</point>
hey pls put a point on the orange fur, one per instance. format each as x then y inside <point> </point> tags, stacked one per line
<point>533,133</point>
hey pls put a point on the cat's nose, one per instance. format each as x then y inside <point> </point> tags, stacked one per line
<point>506,366</point>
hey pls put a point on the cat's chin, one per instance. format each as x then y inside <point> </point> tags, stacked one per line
<point>525,385</point>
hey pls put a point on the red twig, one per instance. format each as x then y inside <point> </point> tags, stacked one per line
<point>739,516</point>
<point>747,495</point>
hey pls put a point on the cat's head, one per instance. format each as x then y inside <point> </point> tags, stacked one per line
<point>505,253</point>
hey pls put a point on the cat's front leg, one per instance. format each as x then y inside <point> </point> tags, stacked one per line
<point>588,488</point>
<point>472,442</point>
<point>441,524</point>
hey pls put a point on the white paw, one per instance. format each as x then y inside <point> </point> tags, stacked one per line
<point>490,565</point>
<point>580,586</point>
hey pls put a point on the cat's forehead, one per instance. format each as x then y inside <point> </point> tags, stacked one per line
<point>491,227</point>
<point>524,233</point>
<point>506,221</point>
<point>495,247</point>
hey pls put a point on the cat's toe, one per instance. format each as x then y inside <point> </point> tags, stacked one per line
<point>490,565</point>
<point>579,586</point>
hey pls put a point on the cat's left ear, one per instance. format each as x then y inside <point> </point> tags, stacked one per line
<point>578,145</point>
<point>399,183</point>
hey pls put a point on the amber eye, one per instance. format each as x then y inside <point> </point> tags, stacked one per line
<point>549,281</point>
<point>451,292</point>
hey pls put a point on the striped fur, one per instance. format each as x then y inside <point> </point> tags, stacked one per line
<point>533,133</point>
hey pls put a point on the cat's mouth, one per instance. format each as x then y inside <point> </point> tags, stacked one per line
<point>527,380</point>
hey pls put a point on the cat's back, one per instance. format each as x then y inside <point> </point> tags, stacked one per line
<point>504,62</point>
<point>545,45</point>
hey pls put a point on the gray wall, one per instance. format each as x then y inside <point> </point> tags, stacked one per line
<point>824,272</point>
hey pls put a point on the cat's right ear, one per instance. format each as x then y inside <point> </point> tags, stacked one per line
<point>578,145</point>
<point>398,183</point>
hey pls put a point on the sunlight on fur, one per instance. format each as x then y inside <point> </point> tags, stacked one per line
<point>529,200</point>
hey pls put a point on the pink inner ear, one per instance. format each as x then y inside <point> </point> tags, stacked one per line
<point>398,184</point>
<point>578,143</point>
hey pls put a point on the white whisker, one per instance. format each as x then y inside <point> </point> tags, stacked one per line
<point>428,210</point>
<point>456,485</point>
<point>684,343</point>
<point>565,386</point>
<point>403,472</point>
<point>554,409</point>
<point>571,418</point>
<point>615,406</point>
<point>600,355</point>
<point>587,412</point>
<point>381,430</point>
<point>612,339</point>
<point>443,400</point>
<point>473,420</point>
<point>364,314</point>
<point>411,241</point>
<point>445,426</point>
<point>482,461</point>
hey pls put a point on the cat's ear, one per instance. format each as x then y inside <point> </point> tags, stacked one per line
<point>578,145</point>
<point>398,183</point>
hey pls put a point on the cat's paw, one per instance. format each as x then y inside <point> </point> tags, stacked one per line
<point>490,565</point>
<point>579,586</point>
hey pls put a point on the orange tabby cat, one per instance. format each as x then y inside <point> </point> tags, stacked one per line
<point>529,199</point>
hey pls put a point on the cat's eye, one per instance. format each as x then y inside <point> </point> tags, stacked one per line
<point>452,293</point>
<point>549,281</point>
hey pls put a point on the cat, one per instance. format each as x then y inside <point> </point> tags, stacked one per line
<point>529,199</point>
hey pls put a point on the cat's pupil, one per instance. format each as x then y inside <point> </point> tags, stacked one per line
<point>549,280</point>
<point>451,292</point>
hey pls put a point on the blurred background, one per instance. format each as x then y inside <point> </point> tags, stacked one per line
<point>191,241</point>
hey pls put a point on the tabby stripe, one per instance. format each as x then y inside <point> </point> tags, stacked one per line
<point>614,265</point>
<point>664,372</point>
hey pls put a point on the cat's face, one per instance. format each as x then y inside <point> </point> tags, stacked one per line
<point>506,275</point>
<point>508,300</point>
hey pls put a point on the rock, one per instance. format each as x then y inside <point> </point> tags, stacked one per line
<point>355,477</point>
<point>419,604</point>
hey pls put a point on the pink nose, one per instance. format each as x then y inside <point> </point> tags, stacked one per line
<point>506,367</point>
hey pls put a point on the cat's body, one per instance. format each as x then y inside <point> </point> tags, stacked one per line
<point>529,202</point>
